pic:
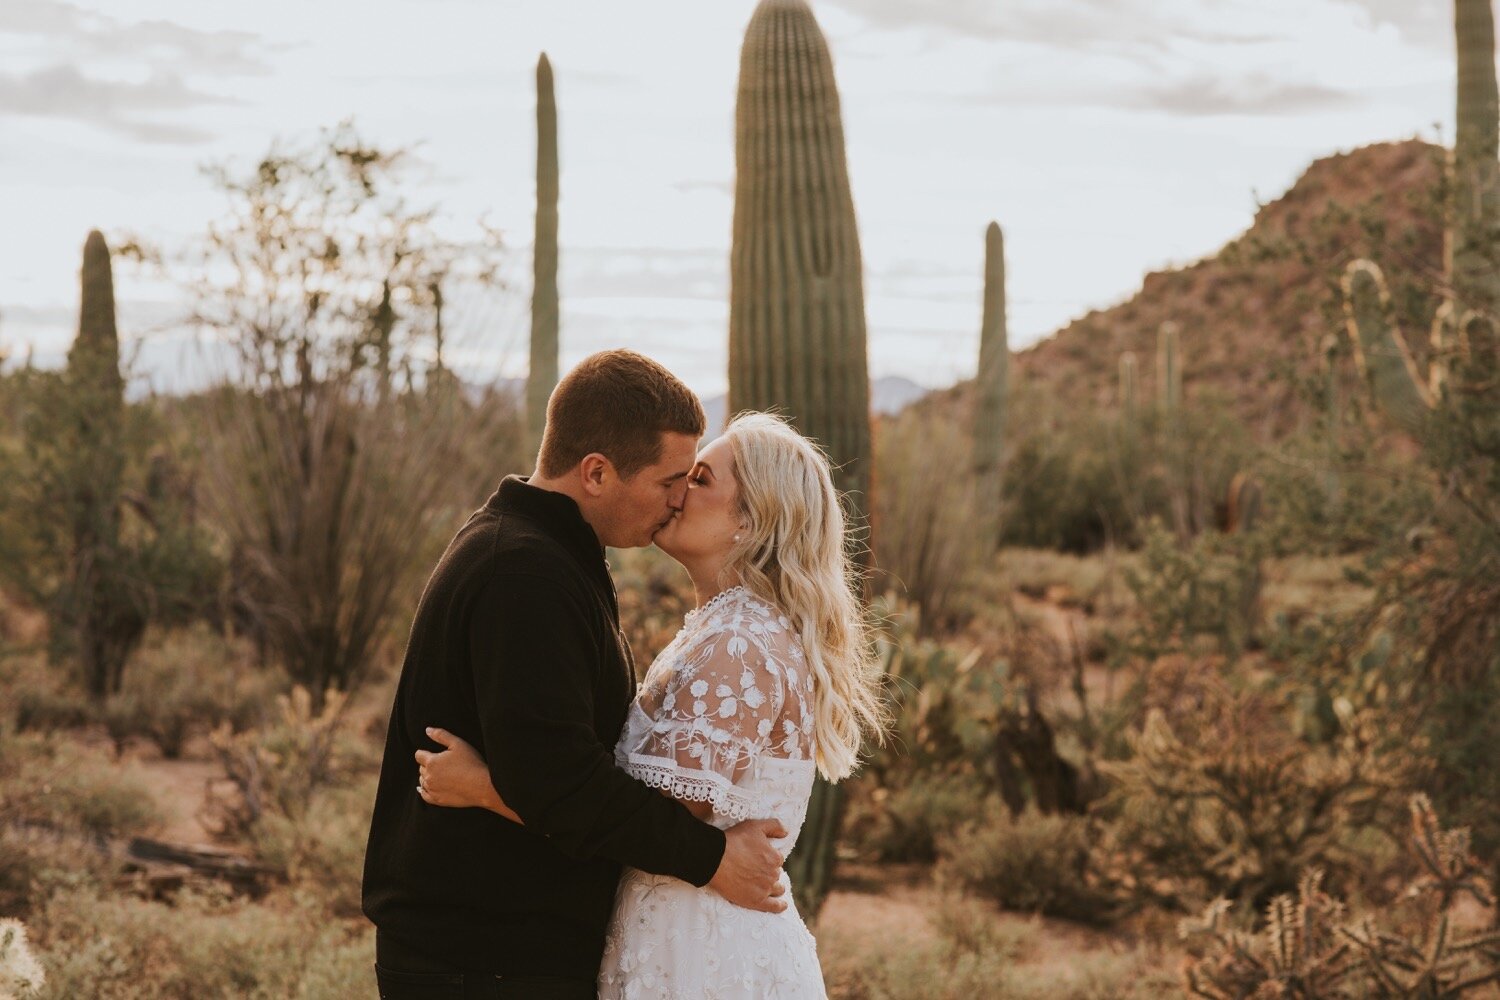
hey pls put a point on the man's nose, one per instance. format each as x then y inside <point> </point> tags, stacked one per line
<point>679,497</point>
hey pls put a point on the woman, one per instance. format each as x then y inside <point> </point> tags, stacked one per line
<point>769,679</point>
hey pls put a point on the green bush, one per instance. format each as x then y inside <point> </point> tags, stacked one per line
<point>323,850</point>
<point>52,782</point>
<point>186,683</point>
<point>978,956</point>
<point>903,821</point>
<point>1032,863</point>
<point>201,945</point>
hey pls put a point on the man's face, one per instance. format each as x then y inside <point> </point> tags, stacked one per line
<point>637,507</point>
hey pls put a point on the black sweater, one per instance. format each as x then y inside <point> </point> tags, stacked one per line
<point>516,648</point>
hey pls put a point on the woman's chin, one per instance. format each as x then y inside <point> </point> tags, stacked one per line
<point>663,539</point>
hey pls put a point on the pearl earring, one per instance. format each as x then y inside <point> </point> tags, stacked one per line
<point>736,537</point>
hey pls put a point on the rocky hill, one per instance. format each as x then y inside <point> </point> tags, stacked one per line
<point>1264,303</point>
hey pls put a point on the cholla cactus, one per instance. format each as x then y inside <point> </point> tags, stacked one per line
<point>1438,961</point>
<point>1298,954</point>
<point>1307,951</point>
<point>21,975</point>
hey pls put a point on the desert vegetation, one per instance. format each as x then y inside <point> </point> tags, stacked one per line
<point>1189,615</point>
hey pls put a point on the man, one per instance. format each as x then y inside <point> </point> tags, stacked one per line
<point>516,648</point>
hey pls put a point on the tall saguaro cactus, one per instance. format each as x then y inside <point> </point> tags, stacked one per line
<point>796,304</point>
<point>1467,322</point>
<point>1472,249</point>
<point>104,622</point>
<point>1169,369</point>
<point>542,375</point>
<point>989,413</point>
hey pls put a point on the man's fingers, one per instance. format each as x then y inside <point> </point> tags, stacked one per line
<point>774,829</point>
<point>779,889</point>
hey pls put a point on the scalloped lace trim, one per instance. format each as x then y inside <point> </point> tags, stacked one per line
<point>692,786</point>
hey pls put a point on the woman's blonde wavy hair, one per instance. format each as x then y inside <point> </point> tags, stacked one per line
<point>794,553</point>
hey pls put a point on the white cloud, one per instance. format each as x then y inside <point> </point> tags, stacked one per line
<point>62,91</point>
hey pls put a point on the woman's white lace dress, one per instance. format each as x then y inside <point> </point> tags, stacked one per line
<point>724,715</point>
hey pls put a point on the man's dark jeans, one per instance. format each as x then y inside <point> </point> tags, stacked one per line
<point>398,985</point>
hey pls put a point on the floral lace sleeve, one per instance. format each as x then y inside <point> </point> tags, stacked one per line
<point>735,691</point>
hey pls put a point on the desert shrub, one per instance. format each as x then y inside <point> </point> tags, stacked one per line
<point>1424,657</point>
<point>338,406</point>
<point>95,534</point>
<point>1062,492</point>
<point>323,850</point>
<point>925,532</point>
<point>187,682</point>
<point>53,782</point>
<point>202,944</point>
<point>1230,803</point>
<point>278,768</point>
<point>1032,863</point>
<point>978,956</point>
<point>1209,586</point>
<point>903,821</point>
<point>967,724</point>
<point>60,805</point>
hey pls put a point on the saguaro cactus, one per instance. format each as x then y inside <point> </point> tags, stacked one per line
<point>1466,323</point>
<point>1128,388</point>
<point>542,375</point>
<point>796,304</point>
<point>104,623</point>
<point>1169,369</point>
<point>989,413</point>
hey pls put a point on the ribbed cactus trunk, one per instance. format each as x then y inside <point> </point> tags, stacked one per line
<point>1472,247</point>
<point>541,376</point>
<point>796,305</point>
<point>989,412</point>
<point>1169,411</point>
<point>98,611</point>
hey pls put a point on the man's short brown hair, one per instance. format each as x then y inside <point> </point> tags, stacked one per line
<point>618,403</point>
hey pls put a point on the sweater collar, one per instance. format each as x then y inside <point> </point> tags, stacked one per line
<point>555,512</point>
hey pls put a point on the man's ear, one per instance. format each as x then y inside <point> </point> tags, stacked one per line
<point>594,472</point>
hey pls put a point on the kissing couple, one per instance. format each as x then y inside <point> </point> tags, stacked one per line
<point>545,827</point>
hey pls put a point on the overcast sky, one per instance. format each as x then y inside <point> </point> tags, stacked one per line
<point>1109,138</point>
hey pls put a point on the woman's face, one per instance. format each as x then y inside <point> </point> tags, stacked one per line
<point>710,518</point>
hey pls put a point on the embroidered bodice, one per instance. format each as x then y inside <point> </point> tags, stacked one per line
<point>724,714</point>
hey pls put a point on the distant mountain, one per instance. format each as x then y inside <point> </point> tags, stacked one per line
<point>888,395</point>
<point>1263,306</point>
